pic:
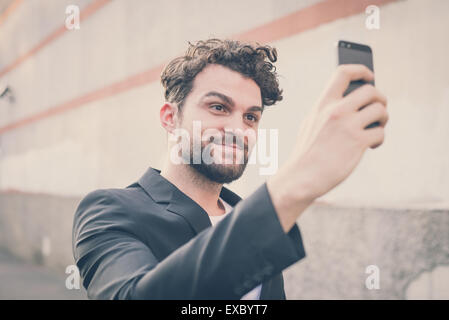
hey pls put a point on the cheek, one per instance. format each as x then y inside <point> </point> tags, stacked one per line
<point>252,140</point>
<point>190,123</point>
<point>202,119</point>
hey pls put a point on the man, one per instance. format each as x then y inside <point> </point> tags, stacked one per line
<point>155,240</point>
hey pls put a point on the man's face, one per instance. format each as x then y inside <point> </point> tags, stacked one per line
<point>228,107</point>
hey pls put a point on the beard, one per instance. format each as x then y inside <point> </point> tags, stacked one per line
<point>219,172</point>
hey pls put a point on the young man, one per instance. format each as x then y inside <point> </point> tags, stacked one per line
<point>155,239</point>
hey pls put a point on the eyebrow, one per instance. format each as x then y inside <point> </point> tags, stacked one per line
<point>229,100</point>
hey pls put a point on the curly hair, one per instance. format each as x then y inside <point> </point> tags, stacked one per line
<point>253,61</point>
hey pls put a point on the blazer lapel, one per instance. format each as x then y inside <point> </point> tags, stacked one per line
<point>264,292</point>
<point>198,218</point>
<point>163,191</point>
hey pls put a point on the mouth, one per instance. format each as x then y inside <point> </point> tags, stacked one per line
<point>236,144</point>
<point>233,153</point>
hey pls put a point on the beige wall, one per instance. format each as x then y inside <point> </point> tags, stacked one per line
<point>110,142</point>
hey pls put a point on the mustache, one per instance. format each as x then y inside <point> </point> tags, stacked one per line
<point>229,140</point>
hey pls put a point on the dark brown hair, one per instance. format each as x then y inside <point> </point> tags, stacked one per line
<point>254,61</point>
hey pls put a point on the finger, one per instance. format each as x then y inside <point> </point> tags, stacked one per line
<point>344,74</point>
<point>375,112</point>
<point>363,96</point>
<point>374,137</point>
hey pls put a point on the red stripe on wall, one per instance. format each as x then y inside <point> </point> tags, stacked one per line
<point>297,22</point>
<point>308,18</point>
<point>11,8</point>
<point>126,84</point>
<point>84,14</point>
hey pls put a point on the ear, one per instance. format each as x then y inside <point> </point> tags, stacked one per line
<point>169,115</point>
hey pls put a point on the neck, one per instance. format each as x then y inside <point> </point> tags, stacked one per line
<point>199,188</point>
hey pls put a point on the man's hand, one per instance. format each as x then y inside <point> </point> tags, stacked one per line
<point>330,143</point>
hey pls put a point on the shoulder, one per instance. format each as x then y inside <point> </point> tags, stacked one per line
<point>114,199</point>
<point>111,209</point>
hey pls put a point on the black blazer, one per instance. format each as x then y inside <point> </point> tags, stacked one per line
<point>151,241</point>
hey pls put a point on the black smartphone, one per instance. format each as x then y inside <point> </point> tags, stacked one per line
<point>356,53</point>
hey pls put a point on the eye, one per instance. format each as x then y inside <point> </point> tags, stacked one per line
<point>251,117</point>
<point>217,107</point>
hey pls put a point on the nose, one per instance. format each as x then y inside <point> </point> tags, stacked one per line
<point>235,122</point>
<point>234,136</point>
<point>241,136</point>
<point>237,131</point>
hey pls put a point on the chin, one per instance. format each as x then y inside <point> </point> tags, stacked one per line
<point>220,173</point>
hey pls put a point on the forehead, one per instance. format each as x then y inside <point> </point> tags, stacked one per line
<point>242,90</point>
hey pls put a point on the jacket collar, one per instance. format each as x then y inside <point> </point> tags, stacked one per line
<point>163,191</point>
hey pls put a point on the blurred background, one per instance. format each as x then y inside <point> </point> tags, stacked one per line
<point>79,110</point>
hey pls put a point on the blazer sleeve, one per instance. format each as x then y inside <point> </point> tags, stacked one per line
<point>225,261</point>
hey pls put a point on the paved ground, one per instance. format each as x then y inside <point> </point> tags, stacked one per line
<point>21,280</point>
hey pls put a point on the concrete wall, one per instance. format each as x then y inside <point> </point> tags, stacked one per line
<point>398,195</point>
<point>410,248</point>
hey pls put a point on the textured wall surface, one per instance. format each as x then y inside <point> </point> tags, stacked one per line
<point>342,242</point>
<point>38,228</point>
